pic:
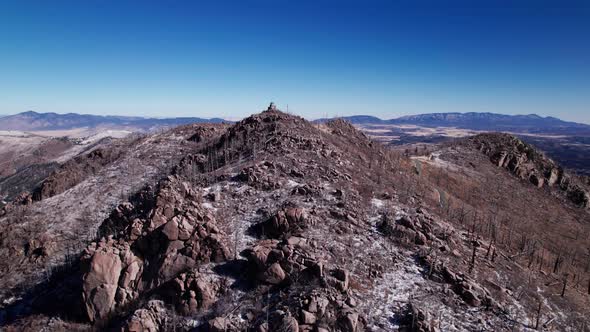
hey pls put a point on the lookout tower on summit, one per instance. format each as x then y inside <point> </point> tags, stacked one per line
<point>272,107</point>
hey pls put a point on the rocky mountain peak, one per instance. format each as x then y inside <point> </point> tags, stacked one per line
<point>272,107</point>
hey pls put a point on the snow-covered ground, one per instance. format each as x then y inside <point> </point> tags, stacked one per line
<point>14,133</point>
<point>104,134</point>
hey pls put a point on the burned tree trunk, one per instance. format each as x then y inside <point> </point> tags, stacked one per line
<point>472,264</point>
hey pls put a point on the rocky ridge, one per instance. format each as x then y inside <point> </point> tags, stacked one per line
<point>274,224</point>
<point>527,163</point>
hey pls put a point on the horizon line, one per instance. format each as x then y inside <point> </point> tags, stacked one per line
<point>235,119</point>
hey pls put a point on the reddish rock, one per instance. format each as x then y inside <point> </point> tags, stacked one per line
<point>218,324</point>
<point>170,230</point>
<point>274,274</point>
<point>100,284</point>
<point>149,319</point>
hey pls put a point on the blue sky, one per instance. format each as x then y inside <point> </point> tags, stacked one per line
<point>322,58</point>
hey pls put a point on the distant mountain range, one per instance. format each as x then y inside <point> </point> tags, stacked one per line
<point>531,123</point>
<point>33,121</point>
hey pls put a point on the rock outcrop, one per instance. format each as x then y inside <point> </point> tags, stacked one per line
<point>416,231</point>
<point>156,241</point>
<point>74,171</point>
<point>152,318</point>
<point>111,279</point>
<point>527,163</point>
<point>274,262</point>
<point>290,220</point>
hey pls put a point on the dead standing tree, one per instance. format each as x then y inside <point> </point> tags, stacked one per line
<point>475,244</point>
<point>564,284</point>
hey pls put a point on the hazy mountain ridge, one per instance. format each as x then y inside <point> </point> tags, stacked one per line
<point>33,121</point>
<point>531,123</point>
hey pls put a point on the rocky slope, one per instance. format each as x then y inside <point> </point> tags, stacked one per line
<point>270,224</point>
<point>26,160</point>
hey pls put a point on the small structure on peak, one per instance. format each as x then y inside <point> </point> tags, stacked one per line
<point>272,107</point>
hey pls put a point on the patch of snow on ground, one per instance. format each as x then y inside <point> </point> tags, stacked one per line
<point>13,133</point>
<point>208,205</point>
<point>392,293</point>
<point>292,184</point>
<point>106,133</point>
<point>377,203</point>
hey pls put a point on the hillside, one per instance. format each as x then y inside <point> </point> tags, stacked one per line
<point>277,224</point>
<point>26,159</point>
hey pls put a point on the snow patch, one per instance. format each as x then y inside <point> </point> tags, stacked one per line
<point>208,205</point>
<point>104,134</point>
<point>292,184</point>
<point>377,203</point>
<point>392,293</point>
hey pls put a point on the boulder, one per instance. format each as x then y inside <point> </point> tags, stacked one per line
<point>288,324</point>
<point>100,284</point>
<point>259,254</point>
<point>204,293</point>
<point>173,265</point>
<point>295,215</point>
<point>349,322</point>
<point>149,319</point>
<point>274,274</point>
<point>191,292</point>
<point>170,230</point>
<point>308,317</point>
<point>420,238</point>
<point>131,273</point>
<point>218,324</point>
<point>318,305</point>
<point>470,298</point>
<point>406,222</point>
<point>286,221</point>
<point>341,279</point>
<point>554,176</point>
<point>100,301</point>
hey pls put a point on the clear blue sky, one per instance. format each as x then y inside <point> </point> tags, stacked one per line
<point>322,58</point>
